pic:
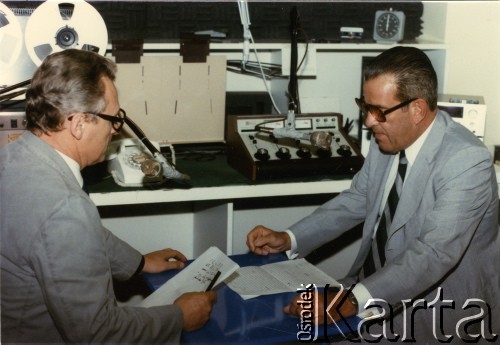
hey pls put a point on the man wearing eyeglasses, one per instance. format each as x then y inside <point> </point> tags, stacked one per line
<point>57,259</point>
<point>429,186</point>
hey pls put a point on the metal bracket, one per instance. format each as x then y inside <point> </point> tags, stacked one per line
<point>195,48</point>
<point>127,51</point>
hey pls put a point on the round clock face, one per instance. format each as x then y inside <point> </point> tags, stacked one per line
<point>387,25</point>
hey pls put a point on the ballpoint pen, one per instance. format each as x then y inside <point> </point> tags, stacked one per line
<point>214,279</point>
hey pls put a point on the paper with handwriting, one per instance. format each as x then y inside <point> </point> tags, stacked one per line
<point>194,277</point>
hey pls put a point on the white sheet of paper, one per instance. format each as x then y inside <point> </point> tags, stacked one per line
<point>195,277</point>
<point>277,277</point>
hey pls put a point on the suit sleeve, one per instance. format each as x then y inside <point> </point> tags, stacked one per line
<point>123,258</point>
<point>74,261</point>
<point>336,216</point>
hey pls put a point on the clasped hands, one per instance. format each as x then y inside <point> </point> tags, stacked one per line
<point>264,241</point>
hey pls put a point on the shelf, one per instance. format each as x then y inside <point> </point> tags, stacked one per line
<point>271,46</point>
<point>218,193</point>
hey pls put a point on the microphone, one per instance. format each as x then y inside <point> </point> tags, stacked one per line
<point>150,167</point>
<point>160,166</point>
<point>319,139</point>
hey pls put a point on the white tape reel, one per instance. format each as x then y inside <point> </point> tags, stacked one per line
<point>11,38</point>
<point>58,25</point>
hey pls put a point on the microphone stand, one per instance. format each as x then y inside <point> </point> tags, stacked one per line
<point>247,36</point>
<point>320,139</point>
<point>293,103</point>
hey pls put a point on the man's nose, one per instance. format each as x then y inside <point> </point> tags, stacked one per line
<point>370,120</point>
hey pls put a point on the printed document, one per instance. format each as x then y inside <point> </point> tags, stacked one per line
<point>195,277</point>
<point>285,276</point>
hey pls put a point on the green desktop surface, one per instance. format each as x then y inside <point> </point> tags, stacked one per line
<point>205,170</point>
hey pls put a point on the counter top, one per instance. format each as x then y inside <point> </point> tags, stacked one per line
<point>214,179</point>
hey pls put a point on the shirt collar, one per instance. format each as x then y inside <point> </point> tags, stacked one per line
<point>413,150</point>
<point>74,167</point>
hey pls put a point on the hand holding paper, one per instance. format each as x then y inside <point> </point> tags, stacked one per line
<point>195,277</point>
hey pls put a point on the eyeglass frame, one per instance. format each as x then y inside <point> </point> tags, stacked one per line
<point>379,115</point>
<point>120,119</point>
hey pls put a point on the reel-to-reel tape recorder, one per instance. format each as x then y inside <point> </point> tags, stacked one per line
<point>27,36</point>
<point>302,151</point>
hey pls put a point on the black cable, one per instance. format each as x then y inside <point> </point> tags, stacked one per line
<point>141,136</point>
<point>15,93</point>
<point>293,104</point>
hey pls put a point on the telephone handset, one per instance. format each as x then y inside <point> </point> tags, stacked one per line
<point>126,162</point>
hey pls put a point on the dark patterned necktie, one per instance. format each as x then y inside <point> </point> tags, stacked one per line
<point>376,256</point>
<point>85,187</point>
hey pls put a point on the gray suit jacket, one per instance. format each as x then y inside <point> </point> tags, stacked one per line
<point>58,261</point>
<point>445,231</point>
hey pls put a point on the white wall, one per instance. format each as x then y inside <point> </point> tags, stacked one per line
<point>472,37</point>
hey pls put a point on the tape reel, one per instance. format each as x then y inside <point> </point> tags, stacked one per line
<point>11,38</point>
<point>58,25</point>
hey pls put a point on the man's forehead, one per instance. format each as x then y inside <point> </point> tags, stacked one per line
<point>383,86</point>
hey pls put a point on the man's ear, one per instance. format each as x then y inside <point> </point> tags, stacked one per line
<point>419,109</point>
<point>77,125</point>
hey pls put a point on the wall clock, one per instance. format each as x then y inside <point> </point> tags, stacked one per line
<point>389,26</point>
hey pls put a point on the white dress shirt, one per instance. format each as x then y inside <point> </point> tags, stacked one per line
<point>74,166</point>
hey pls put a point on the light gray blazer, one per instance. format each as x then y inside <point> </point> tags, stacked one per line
<point>58,261</point>
<point>445,231</point>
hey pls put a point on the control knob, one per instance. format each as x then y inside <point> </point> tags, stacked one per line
<point>324,153</point>
<point>304,152</point>
<point>344,150</point>
<point>262,154</point>
<point>283,153</point>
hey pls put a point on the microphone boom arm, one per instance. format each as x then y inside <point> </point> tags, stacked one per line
<point>168,170</point>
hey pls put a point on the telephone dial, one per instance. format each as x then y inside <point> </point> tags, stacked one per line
<point>128,158</point>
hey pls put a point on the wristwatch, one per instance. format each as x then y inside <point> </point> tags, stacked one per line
<point>350,296</point>
<point>354,301</point>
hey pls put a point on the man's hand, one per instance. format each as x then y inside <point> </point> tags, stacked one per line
<point>196,308</point>
<point>163,260</point>
<point>263,241</point>
<point>347,309</point>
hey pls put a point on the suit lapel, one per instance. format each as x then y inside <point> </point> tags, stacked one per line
<point>381,169</point>
<point>418,176</point>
